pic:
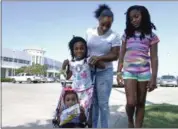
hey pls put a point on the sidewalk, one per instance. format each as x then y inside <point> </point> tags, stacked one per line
<point>118,118</point>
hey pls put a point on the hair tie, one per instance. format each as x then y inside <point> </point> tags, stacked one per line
<point>68,89</point>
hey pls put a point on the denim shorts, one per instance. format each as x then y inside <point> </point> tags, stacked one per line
<point>139,76</point>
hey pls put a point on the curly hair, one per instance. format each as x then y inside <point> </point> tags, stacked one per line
<point>146,25</point>
<point>74,40</point>
<point>70,92</point>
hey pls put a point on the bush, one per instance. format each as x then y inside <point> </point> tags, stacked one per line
<point>6,79</point>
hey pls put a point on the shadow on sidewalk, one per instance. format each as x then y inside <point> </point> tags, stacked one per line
<point>118,118</point>
<point>147,102</point>
<point>36,124</point>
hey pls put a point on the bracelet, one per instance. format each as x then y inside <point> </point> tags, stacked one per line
<point>119,73</point>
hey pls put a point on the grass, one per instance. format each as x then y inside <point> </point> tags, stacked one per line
<point>161,116</point>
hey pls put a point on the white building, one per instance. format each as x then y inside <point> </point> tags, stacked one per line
<point>14,59</point>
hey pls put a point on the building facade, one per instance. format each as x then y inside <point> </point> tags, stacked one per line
<point>14,59</point>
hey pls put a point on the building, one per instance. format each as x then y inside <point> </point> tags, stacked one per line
<point>14,59</point>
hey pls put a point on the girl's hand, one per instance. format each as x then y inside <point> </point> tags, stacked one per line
<point>82,116</point>
<point>151,85</point>
<point>119,78</point>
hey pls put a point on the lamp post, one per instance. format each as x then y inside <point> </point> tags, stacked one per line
<point>14,65</point>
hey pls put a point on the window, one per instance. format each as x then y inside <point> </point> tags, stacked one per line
<point>16,60</point>
<point>5,59</point>
<point>10,59</point>
<point>21,61</point>
<point>168,77</point>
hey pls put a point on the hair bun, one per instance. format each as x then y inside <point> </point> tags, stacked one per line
<point>101,8</point>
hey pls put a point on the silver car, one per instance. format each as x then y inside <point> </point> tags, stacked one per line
<point>168,80</point>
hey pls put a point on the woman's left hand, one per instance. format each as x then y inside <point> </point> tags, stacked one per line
<point>93,60</point>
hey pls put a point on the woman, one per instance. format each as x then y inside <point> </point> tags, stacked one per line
<point>103,45</point>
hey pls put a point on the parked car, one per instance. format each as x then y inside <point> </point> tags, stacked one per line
<point>115,83</point>
<point>50,79</point>
<point>43,79</point>
<point>168,80</point>
<point>56,79</point>
<point>158,80</point>
<point>25,77</point>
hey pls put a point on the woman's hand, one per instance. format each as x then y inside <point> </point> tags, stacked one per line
<point>93,60</point>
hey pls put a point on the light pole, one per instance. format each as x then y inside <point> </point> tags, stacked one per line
<point>13,64</point>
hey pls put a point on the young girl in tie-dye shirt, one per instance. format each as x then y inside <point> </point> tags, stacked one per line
<point>139,60</point>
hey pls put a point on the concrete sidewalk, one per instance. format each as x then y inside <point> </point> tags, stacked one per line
<point>118,118</point>
<point>33,105</point>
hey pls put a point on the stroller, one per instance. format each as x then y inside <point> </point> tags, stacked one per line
<point>85,100</point>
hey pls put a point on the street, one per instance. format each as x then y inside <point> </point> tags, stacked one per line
<point>33,105</point>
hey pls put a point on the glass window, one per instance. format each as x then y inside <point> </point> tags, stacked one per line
<point>15,60</point>
<point>10,59</point>
<point>5,59</point>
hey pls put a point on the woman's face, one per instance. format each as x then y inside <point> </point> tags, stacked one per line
<point>105,24</point>
<point>135,18</point>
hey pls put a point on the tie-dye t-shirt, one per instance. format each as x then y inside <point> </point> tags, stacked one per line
<point>137,56</point>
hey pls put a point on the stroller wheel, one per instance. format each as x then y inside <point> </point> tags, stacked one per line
<point>55,123</point>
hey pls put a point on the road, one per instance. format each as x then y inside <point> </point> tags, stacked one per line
<point>33,105</point>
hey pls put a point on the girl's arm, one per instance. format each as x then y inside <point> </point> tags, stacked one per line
<point>121,56</point>
<point>82,116</point>
<point>65,65</point>
<point>154,61</point>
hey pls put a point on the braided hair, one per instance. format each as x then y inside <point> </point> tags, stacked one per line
<point>146,25</point>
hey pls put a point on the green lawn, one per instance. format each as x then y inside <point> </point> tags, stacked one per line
<point>161,116</point>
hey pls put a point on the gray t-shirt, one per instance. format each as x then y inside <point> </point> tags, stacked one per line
<point>101,45</point>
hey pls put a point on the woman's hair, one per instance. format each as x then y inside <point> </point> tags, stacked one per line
<point>146,25</point>
<point>103,10</point>
<point>70,92</point>
<point>74,40</point>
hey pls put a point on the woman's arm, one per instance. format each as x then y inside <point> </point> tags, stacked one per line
<point>111,56</point>
<point>100,65</point>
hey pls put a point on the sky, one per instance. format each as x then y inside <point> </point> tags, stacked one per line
<point>51,24</point>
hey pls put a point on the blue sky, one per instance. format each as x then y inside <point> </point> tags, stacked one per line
<point>50,25</point>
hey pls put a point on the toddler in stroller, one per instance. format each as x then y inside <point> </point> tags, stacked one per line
<point>74,105</point>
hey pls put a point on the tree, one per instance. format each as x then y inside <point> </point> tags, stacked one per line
<point>34,69</point>
<point>38,69</point>
<point>20,70</point>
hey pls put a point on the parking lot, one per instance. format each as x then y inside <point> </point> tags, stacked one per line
<point>33,105</point>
